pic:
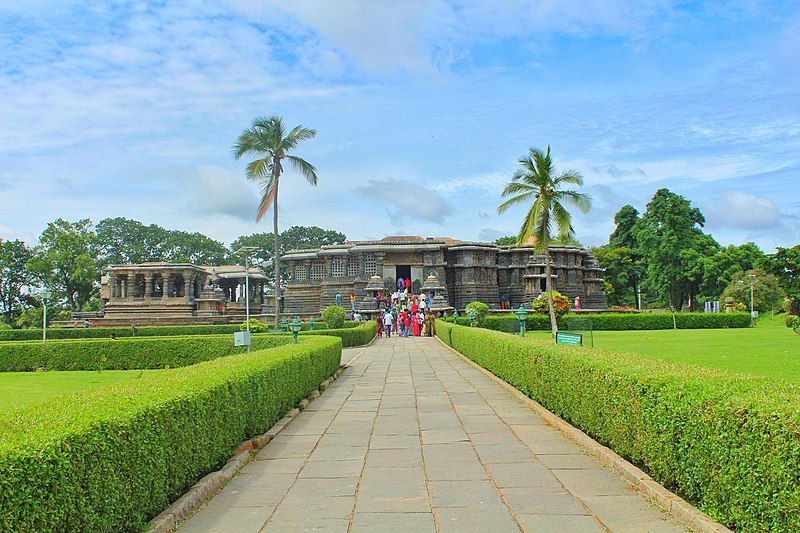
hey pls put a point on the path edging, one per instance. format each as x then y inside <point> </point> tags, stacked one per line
<point>682,511</point>
<point>201,492</point>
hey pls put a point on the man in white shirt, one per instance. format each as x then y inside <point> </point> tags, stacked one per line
<point>387,323</point>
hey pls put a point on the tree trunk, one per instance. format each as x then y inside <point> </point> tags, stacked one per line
<point>549,287</point>
<point>276,262</point>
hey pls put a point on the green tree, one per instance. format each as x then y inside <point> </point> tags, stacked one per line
<point>622,273</point>
<point>785,265</point>
<point>268,141</point>
<point>124,241</point>
<point>719,268</point>
<point>536,182</point>
<point>294,238</point>
<point>65,261</point>
<point>625,219</point>
<point>14,275</point>
<point>669,228</point>
<point>508,240</point>
<point>767,292</point>
<point>195,248</point>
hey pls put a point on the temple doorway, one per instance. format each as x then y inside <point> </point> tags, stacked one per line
<point>403,271</point>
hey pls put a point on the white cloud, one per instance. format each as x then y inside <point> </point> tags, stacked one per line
<point>215,191</point>
<point>742,210</point>
<point>411,203</point>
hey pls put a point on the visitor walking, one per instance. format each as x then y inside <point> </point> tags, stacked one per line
<point>388,321</point>
<point>416,325</point>
<point>379,325</point>
<point>338,299</point>
<point>378,299</point>
<point>353,301</point>
<point>577,303</point>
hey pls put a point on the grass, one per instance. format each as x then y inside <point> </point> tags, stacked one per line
<point>21,388</point>
<point>769,349</point>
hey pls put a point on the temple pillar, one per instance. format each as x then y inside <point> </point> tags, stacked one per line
<point>125,282</point>
<point>188,288</point>
<point>112,286</point>
<point>148,285</point>
<point>165,287</point>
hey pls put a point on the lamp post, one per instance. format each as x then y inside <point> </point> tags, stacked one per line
<point>471,315</point>
<point>246,251</point>
<point>295,326</point>
<point>752,314</point>
<point>284,324</point>
<point>45,296</point>
<point>522,316</point>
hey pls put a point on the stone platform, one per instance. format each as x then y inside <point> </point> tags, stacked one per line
<point>412,438</point>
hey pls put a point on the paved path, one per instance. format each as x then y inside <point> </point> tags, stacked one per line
<point>411,438</point>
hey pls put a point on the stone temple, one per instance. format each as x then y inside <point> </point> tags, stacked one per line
<point>465,271</point>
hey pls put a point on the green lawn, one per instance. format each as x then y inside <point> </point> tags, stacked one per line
<point>770,349</point>
<point>19,388</point>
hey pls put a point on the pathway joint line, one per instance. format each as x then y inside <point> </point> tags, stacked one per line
<point>210,485</point>
<point>675,506</point>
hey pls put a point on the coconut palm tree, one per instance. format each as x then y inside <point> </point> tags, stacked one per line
<point>535,181</point>
<point>270,143</point>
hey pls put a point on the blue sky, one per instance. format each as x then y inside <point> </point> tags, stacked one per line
<point>422,109</point>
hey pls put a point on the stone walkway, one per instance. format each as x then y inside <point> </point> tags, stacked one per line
<point>411,438</point>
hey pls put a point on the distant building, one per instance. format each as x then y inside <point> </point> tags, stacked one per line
<point>467,271</point>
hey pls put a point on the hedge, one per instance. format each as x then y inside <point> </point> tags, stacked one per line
<point>123,354</point>
<point>357,336</point>
<point>625,321</point>
<point>113,458</point>
<point>729,443</point>
<point>127,331</point>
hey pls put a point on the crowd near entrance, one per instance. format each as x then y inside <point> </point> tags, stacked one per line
<point>407,310</point>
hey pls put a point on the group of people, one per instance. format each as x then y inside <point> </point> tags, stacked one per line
<point>406,322</point>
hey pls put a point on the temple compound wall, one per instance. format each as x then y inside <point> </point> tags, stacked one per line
<point>468,271</point>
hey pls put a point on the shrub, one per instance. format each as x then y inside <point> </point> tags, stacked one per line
<point>625,321</point>
<point>793,321</point>
<point>124,354</point>
<point>126,331</point>
<point>334,316</point>
<point>729,443</point>
<point>112,458</point>
<point>560,304</point>
<point>481,310</point>
<point>351,336</point>
<point>256,326</point>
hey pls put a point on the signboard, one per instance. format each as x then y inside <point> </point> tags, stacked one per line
<point>570,339</point>
<point>707,307</point>
<point>754,314</point>
<point>241,338</point>
<point>716,306</point>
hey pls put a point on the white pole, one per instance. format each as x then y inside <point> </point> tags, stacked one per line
<point>639,297</point>
<point>44,321</point>
<point>752,318</point>
<point>247,295</point>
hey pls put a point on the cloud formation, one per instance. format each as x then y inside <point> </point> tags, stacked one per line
<point>742,210</point>
<point>408,202</point>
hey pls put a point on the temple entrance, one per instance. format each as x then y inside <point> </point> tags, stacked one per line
<point>402,271</point>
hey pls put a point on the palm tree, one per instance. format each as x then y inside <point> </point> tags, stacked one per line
<point>536,180</point>
<point>268,141</point>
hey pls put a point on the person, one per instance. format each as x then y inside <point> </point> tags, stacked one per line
<point>407,284</point>
<point>577,303</point>
<point>400,284</point>
<point>338,299</point>
<point>423,304</point>
<point>504,301</point>
<point>378,299</point>
<point>431,324</point>
<point>430,299</point>
<point>403,323</point>
<point>388,320</point>
<point>113,336</point>
<point>86,323</point>
<point>357,316</point>
<point>416,325</point>
<point>379,325</point>
<point>352,301</point>
<point>414,307</point>
<point>395,320</point>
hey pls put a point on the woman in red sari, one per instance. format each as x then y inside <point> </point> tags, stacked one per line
<point>415,324</point>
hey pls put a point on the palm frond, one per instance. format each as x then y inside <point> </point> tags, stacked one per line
<point>304,167</point>
<point>502,208</point>
<point>516,187</point>
<point>563,220</point>
<point>259,169</point>
<point>572,177</point>
<point>268,192</point>
<point>297,135</point>
<point>579,199</point>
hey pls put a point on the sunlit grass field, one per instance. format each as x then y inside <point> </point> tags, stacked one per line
<point>19,388</point>
<point>769,349</point>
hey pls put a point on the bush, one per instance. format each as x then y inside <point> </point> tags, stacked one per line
<point>625,321</point>
<point>124,354</point>
<point>256,326</point>
<point>481,310</point>
<point>127,331</point>
<point>793,321</point>
<point>351,336</point>
<point>560,304</point>
<point>729,443</point>
<point>113,458</point>
<point>334,316</point>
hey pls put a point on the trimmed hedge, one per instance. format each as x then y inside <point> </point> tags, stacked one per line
<point>124,354</point>
<point>357,336</point>
<point>127,331</point>
<point>113,458</point>
<point>729,443</point>
<point>626,321</point>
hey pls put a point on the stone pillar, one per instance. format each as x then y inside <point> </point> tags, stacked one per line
<point>165,286</point>
<point>188,289</point>
<point>125,283</point>
<point>148,285</point>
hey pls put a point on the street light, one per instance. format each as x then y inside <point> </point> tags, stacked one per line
<point>45,295</point>
<point>472,316</point>
<point>246,251</point>
<point>752,277</point>
<point>284,324</point>
<point>295,326</point>
<point>522,316</point>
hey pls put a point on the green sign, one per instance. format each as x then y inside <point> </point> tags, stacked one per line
<point>570,339</point>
